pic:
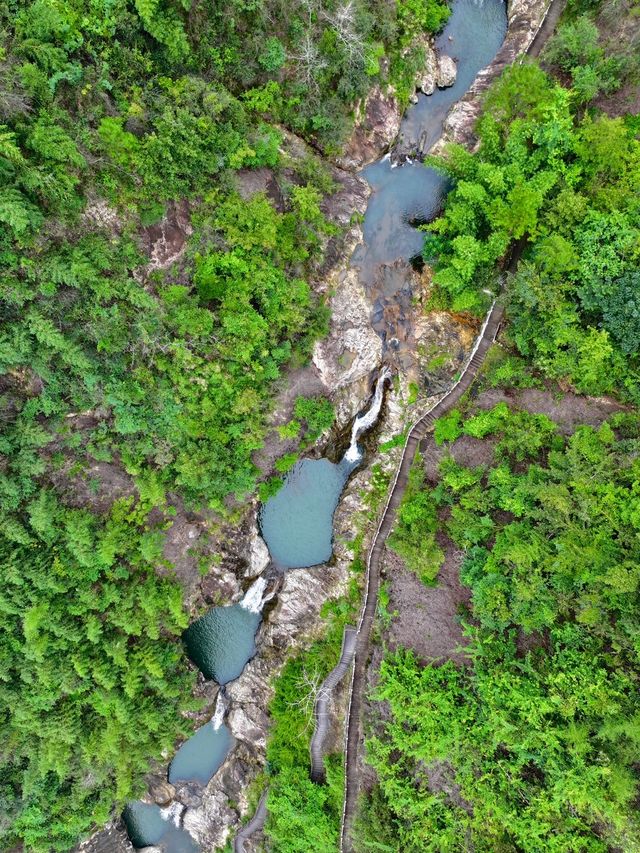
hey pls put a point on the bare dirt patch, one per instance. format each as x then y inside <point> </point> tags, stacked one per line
<point>95,487</point>
<point>625,100</point>
<point>466,450</point>
<point>567,409</point>
<point>619,36</point>
<point>428,617</point>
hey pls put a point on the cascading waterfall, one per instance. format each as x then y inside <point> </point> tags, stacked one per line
<point>364,422</point>
<point>254,597</point>
<point>173,813</point>
<point>297,522</point>
<point>221,710</point>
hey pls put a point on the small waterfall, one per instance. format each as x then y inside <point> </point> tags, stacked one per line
<point>221,709</point>
<point>253,599</point>
<point>364,422</point>
<point>172,813</point>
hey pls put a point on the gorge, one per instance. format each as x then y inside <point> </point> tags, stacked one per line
<point>297,522</point>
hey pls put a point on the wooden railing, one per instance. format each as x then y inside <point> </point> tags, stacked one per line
<point>419,429</point>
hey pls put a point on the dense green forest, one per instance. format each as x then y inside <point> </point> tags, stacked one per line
<point>109,112</point>
<point>534,742</point>
<point>559,185</point>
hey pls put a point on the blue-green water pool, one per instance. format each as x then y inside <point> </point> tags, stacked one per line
<point>411,193</point>
<point>199,757</point>
<point>297,522</point>
<point>146,826</point>
<point>222,641</point>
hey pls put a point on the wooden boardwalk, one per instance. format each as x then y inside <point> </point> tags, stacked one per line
<point>372,579</point>
<point>255,825</point>
<point>323,697</point>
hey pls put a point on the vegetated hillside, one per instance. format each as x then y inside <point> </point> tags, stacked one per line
<point>111,115</point>
<point>527,738</point>
<point>560,182</point>
<point>532,743</point>
<point>598,49</point>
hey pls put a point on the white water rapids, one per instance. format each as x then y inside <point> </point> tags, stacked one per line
<point>173,813</point>
<point>253,599</point>
<point>364,422</point>
<point>221,710</point>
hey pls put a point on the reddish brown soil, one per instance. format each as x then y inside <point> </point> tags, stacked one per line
<point>427,618</point>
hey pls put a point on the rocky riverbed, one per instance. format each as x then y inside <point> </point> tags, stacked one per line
<point>428,350</point>
<point>524,18</point>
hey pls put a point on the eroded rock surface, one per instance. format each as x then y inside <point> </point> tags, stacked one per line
<point>98,213</point>
<point>524,19</point>
<point>111,839</point>
<point>250,182</point>
<point>352,349</point>
<point>162,793</point>
<point>165,241</point>
<point>376,128</point>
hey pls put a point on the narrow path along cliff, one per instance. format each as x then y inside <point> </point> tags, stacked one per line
<point>372,581</point>
<point>523,40</point>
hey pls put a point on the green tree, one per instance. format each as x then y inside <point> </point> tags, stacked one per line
<point>621,313</point>
<point>532,744</point>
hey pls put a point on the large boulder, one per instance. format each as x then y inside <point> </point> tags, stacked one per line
<point>427,77</point>
<point>447,71</point>
<point>258,556</point>
<point>162,793</point>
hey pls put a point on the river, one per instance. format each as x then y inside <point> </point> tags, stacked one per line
<point>297,522</point>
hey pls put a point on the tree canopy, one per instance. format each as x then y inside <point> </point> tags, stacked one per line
<point>559,187</point>
<point>533,744</point>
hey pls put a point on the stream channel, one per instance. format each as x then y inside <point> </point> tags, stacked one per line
<point>297,522</point>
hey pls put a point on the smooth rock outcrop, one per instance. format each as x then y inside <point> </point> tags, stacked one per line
<point>349,199</point>
<point>353,349</point>
<point>447,71</point>
<point>426,79</point>
<point>258,556</point>
<point>209,823</point>
<point>376,127</point>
